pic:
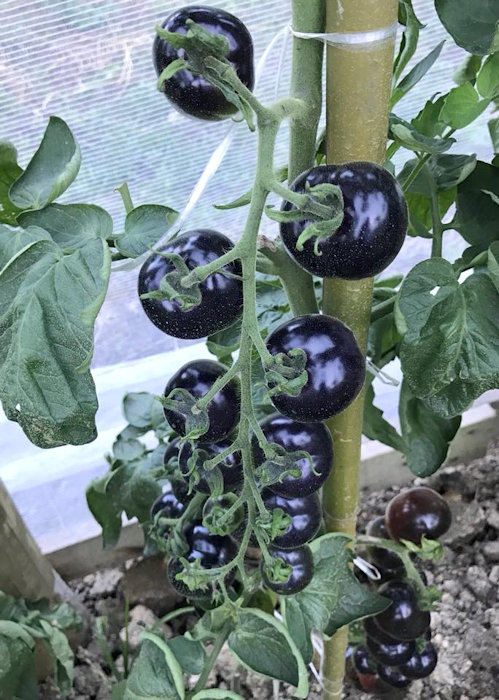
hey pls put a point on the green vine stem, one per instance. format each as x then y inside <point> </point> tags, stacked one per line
<point>358,95</point>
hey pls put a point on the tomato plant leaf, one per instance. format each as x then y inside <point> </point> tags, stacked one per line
<point>494,133</point>
<point>410,37</point>
<point>473,24</point>
<point>468,70</point>
<point>137,408</point>
<point>462,106</point>
<point>493,264</point>
<point>155,674</point>
<point>189,653</point>
<point>57,645</point>
<point>48,305</point>
<point>214,694</point>
<point>51,170</point>
<point>375,427</point>
<point>427,122</point>
<point>17,669</point>
<point>416,74</point>
<point>144,226</point>
<point>477,213</point>
<point>487,82</point>
<point>9,173</point>
<point>70,225</point>
<point>332,599</point>
<point>426,435</point>
<point>407,136</point>
<point>263,644</point>
<point>449,352</point>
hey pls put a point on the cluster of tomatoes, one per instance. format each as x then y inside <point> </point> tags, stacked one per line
<point>397,648</point>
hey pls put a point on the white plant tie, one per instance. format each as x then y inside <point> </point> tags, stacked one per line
<point>367,568</point>
<point>374,36</point>
<point>380,374</point>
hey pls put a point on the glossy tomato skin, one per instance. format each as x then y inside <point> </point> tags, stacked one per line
<point>313,438</point>
<point>402,620</point>
<point>393,677</point>
<point>192,94</point>
<point>375,632</point>
<point>305,514</point>
<point>231,468</point>
<point>168,505</point>
<point>363,662</point>
<point>373,227</point>
<point>391,654</point>
<point>212,551</point>
<point>335,366</point>
<point>389,563</point>
<point>421,664</point>
<point>221,295</point>
<point>302,564</point>
<point>416,512</point>
<point>197,377</point>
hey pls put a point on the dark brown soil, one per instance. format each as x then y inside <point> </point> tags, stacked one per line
<point>465,625</point>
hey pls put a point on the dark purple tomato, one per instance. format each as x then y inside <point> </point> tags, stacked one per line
<point>294,436</point>
<point>416,512</point>
<point>391,654</point>
<point>335,366</point>
<point>362,662</point>
<point>170,460</point>
<point>305,514</point>
<point>180,489</point>
<point>197,377</point>
<point>373,227</point>
<point>231,467</point>
<point>191,93</point>
<point>387,561</point>
<point>221,294</point>
<point>421,664</point>
<point>301,562</point>
<point>393,677</point>
<point>212,551</point>
<point>168,505</point>
<point>402,620</point>
<point>375,632</point>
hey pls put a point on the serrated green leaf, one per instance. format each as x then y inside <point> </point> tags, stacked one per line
<point>476,212</point>
<point>241,201</point>
<point>144,226</point>
<point>9,172</point>
<point>416,74</point>
<point>406,135</point>
<point>51,170</point>
<point>262,643</point>
<point>70,225</point>
<point>17,670</point>
<point>13,630</point>
<point>427,436</point>
<point>48,305</point>
<point>473,24</point>
<point>427,122</point>
<point>155,674</point>
<point>375,427</point>
<point>449,352</point>
<point>462,106</point>
<point>493,264</point>
<point>332,599</point>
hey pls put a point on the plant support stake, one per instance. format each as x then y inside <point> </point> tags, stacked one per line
<point>359,71</point>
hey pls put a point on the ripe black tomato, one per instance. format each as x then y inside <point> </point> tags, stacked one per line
<point>416,512</point>
<point>313,438</point>
<point>421,664</point>
<point>375,632</point>
<point>393,677</point>
<point>402,620</point>
<point>389,563</point>
<point>373,227</point>
<point>221,295</point>
<point>168,505</point>
<point>362,662</point>
<point>197,377</point>
<point>231,467</point>
<point>391,654</point>
<point>302,569</point>
<point>305,514</point>
<point>335,366</point>
<point>212,551</point>
<point>191,93</point>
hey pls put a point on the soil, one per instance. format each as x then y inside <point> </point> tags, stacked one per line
<point>465,625</point>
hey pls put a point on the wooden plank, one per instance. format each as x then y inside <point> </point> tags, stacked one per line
<point>24,571</point>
